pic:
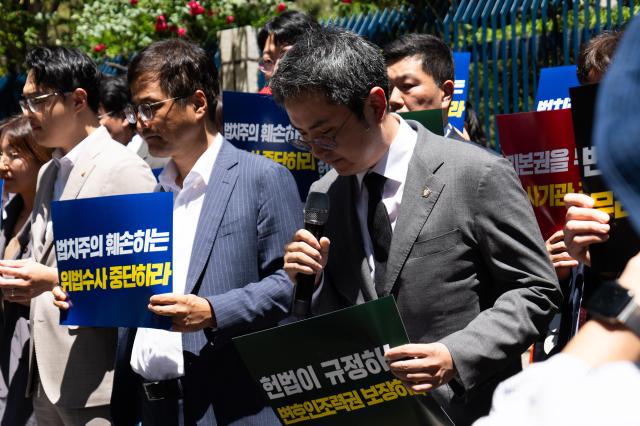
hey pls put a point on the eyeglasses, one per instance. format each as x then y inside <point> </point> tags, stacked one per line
<point>145,111</point>
<point>33,104</point>
<point>328,143</point>
<point>266,65</point>
<point>9,156</point>
<point>106,114</point>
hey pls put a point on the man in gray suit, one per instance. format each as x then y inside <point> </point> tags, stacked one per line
<point>71,368</point>
<point>444,227</point>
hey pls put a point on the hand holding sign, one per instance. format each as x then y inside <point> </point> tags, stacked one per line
<point>22,280</point>
<point>188,311</point>
<point>561,259</point>
<point>584,226</point>
<point>421,367</point>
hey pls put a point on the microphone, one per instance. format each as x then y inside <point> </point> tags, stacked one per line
<point>316,213</point>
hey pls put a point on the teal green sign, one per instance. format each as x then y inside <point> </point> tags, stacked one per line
<point>330,370</point>
<point>429,118</point>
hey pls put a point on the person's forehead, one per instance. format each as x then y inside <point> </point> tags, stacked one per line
<point>409,66</point>
<point>30,85</point>
<point>146,88</point>
<point>271,47</point>
<point>311,110</point>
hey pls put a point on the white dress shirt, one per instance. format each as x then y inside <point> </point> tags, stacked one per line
<point>565,390</point>
<point>394,166</point>
<point>157,354</point>
<point>65,163</point>
<point>135,143</point>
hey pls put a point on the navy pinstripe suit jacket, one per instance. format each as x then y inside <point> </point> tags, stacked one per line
<point>251,209</point>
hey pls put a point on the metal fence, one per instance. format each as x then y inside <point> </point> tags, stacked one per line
<point>509,40</point>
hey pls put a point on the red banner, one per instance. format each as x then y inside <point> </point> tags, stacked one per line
<point>542,149</point>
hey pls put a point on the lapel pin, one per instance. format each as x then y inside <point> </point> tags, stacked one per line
<point>426,192</point>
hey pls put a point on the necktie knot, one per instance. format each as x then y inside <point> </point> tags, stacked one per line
<point>374,183</point>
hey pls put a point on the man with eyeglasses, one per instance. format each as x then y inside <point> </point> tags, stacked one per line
<point>71,368</point>
<point>117,116</point>
<point>277,36</point>
<point>445,228</point>
<point>233,213</point>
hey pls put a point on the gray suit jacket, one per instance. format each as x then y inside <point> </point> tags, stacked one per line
<point>75,365</point>
<point>467,264</point>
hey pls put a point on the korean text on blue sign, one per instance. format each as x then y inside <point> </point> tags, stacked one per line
<point>457,108</point>
<point>255,123</point>
<point>113,254</point>
<point>553,88</point>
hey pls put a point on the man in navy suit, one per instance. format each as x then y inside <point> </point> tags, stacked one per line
<point>233,213</point>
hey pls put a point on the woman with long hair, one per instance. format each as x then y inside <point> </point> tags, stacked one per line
<point>20,160</point>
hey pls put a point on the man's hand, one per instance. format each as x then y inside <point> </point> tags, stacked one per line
<point>305,255</point>
<point>562,261</point>
<point>583,226</point>
<point>421,367</point>
<point>188,311</point>
<point>22,280</point>
<point>61,299</point>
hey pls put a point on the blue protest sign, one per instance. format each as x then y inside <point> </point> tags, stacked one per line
<point>457,108</point>
<point>255,123</point>
<point>553,87</point>
<point>113,254</point>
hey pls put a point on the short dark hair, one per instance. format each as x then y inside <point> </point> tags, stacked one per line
<point>286,28</point>
<point>114,94</point>
<point>181,67</point>
<point>437,59</point>
<point>596,54</point>
<point>334,62</point>
<point>65,69</point>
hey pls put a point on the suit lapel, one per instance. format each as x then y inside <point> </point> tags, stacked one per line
<point>421,191</point>
<point>78,176</point>
<point>42,208</point>
<point>221,183</point>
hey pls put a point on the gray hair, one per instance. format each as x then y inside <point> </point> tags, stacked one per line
<point>332,62</point>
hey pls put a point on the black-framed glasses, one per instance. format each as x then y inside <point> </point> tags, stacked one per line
<point>328,143</point>
<point>33,103</point>
<point>145,111</point>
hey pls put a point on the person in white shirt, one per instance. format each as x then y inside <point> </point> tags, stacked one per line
<point>71,371</point>
<point>233,213</point>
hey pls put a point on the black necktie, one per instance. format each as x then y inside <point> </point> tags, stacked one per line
<point>379,227</point>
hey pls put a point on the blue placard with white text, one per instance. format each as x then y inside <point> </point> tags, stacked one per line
<point>553,88</point>
<point>113,254</point>
<point>255,123</point>
<point>457,108</point>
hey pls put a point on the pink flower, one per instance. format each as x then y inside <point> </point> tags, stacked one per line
<point>346,1</point>
<point>195,8</point>
<point>161,24</point>
<point>181,32</point>
<point>99,47</point>
<point>133,2</point>
<point>230,19</point>
<point>282,7</point>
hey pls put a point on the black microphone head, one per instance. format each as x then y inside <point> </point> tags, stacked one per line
<point>316,211</point>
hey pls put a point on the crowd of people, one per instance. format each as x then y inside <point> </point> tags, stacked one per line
<point>439,222</point>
